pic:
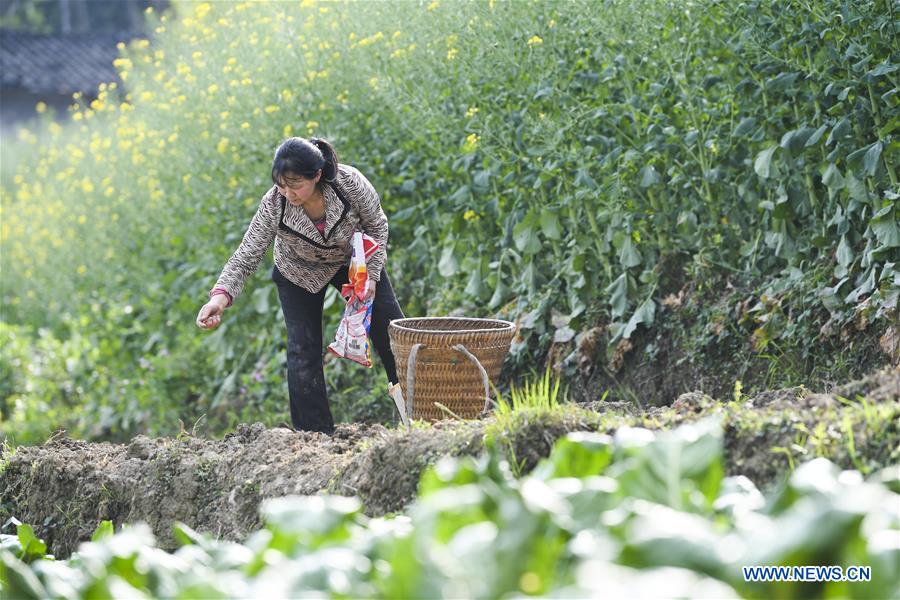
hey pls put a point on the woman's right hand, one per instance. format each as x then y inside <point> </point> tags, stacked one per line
<point>211,314</point>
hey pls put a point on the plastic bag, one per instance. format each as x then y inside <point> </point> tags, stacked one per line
<point>352,337</point>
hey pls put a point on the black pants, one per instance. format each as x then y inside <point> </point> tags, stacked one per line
<point>303,318</point>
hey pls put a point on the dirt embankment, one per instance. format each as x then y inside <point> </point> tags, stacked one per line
<point>709,332</point>
<point>66,487</point>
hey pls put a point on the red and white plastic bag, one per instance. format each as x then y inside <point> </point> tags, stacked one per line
<point>352,337</point>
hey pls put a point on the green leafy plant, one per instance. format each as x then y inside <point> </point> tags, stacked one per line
<point>600,514</point>
<point>539,395</point>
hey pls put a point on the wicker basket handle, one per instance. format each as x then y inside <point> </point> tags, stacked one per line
<point>484,375</point>
<point>411,374</point>
<point>411,377</point>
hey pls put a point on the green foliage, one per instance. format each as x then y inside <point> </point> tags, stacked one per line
<point>25,545</point>
<point>532,158</point>
<point>104,530</point>
<point>601,515</point>
<point>538,395</point>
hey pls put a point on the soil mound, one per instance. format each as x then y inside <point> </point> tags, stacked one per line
<point>65,487</point>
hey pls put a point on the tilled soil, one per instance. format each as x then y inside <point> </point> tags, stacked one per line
<point>65,487</point>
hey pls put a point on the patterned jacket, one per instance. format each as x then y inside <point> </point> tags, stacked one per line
<point>303,254</point>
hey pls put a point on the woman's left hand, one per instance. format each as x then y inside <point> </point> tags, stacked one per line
<point>370,294</point>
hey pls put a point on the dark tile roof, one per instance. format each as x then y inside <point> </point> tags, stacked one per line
<point>58,63</point>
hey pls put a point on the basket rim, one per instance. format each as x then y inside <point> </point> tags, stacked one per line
<point>399,324</point>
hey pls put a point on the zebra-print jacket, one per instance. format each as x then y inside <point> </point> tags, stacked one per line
<point>303,254</point>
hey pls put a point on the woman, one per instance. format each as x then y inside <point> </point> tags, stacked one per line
<point>311,213</point>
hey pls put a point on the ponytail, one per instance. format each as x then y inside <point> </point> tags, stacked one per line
<point>329,169</point>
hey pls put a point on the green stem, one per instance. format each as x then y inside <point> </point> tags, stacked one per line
<point>814,88</point>
<point>657,213</point>
<point>807,177</point>
<point>876,114</point>
<point>592,222</point>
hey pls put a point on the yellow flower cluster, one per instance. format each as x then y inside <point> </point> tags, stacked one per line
<point>213,82</point>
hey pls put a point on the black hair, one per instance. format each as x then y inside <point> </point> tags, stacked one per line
<point>296,156</point>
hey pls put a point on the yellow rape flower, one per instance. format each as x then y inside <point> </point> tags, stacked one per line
<point>272,108</point>
<point>222,147</point>
<point>81,269</point>
<point>470,215</point>
<point>451,53</point>
<point>40,107</point>
<point>471,142</point>
<point>473,110</point>
<point>535,40</point>
<point>202,10</point>
<point>212,89</point>
<point>433,5</point>
<point>245,125</point>
<point>287,131</point>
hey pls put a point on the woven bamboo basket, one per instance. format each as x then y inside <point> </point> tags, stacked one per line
<point>449,361</point>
